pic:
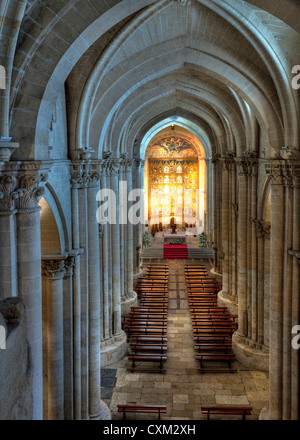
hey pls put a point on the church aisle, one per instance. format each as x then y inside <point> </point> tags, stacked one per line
<point>182,388</point>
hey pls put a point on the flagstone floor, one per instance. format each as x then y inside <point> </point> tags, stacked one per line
<point>181,387</point>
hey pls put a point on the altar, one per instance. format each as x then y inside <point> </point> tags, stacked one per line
<point>168,238</point>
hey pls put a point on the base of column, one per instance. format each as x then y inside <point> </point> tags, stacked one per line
<point>225,300</point>
<point>216,275</point>
<point>248,356</point>
<point>105,413</point>
<point>138,275</point>
<point>130,301</point>
<point>113,350</point>
<point>264,415</point>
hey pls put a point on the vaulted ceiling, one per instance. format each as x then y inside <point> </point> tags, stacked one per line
<point>225,66</point>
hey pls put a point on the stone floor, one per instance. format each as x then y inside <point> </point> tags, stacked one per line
<point>181,387</point>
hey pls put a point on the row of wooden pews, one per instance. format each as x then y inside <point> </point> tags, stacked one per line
<point>213,326</point>
<point>146,325</point>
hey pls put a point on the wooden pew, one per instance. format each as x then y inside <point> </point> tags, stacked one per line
<point>208,309</point>
<point>136,348</point>
<point>147,409</point>
<point>205,357</point>
<point>147,358</point>
<point>208,338</point>
<point>149,339</point>
<point>148,310</point>
<point>211,347</point>
<point>146,331</point>
<point>227,410</point>
<point>139,323</point>
<point>153,316</point>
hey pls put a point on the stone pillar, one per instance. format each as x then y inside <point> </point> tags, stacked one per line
<point>29,269</point>
<point>68,323</point>
<point>217,218</point>
<point>86,176</point>
<point>113,348</point>
<point>295,252</point>
<point>76,299</point>
<point>284,292</point>
<point>115,241</point>
<point>242,247</point>
<point>226,297</point>
<point>8,249</point>
<point>138,230</point>
<point>53,270</point>
<point>130,298</point>
<point>252,266</point>
<point>94,369</point>
<point>225,223</point>
<point>245,340</point>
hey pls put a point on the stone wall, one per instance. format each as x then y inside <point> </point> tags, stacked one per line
<point>15,396</point>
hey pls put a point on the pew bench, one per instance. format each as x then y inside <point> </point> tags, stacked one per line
<point>211,357</point>
<point>146,331</point>
<point>146,409</point>
<point>227,410</point>
<point>147,358</point>
<point>148,347</point>
<point>213,347</point>
<point>147,310</point>
<point>150,339</point>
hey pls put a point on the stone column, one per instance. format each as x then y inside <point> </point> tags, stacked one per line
<point>107,340</point>
<point>94,370</point>
<point>8,249</point>
<point>68,322</point>
<point>113,349</point>
<point>279,172</point>
<point>76,298</point>
<point>225,223</point>
<point>242,247</point>
<point>217,220</point>
<point>130,298</point>
<point>53,270</point>
<point>262,230</point>
<point>138,230</point>
<point>253,334</point>
<point>115,237</point>
<point>295,252</point>
<point>225,297</point>
<point>86,174</point>
<point>30,176</point>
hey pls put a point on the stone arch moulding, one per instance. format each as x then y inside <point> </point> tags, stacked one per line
<point>182,122</point>
<point>59,217</point>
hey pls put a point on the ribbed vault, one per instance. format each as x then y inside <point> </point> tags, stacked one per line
<point>133,62</point>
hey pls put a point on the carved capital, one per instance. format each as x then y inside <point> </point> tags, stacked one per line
<point>227,161</point>
<point>85,173</point>
<point>126,163</point>
<point>53,268</point>
<point>30,190</point>
<point>283,172</point>
<point>235,207</point>
<point>9,192</point>
<point>69,265</point>
<point>247,165</point>
<point>216,158</point>
<point>262,228</point>
<point>295,254</point>
<point>20,185</point>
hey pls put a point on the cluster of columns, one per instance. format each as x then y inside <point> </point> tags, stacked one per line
<point>73,300</point>
<point>284,288</point>
<point>258,258</point>
<point>20,255</point>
